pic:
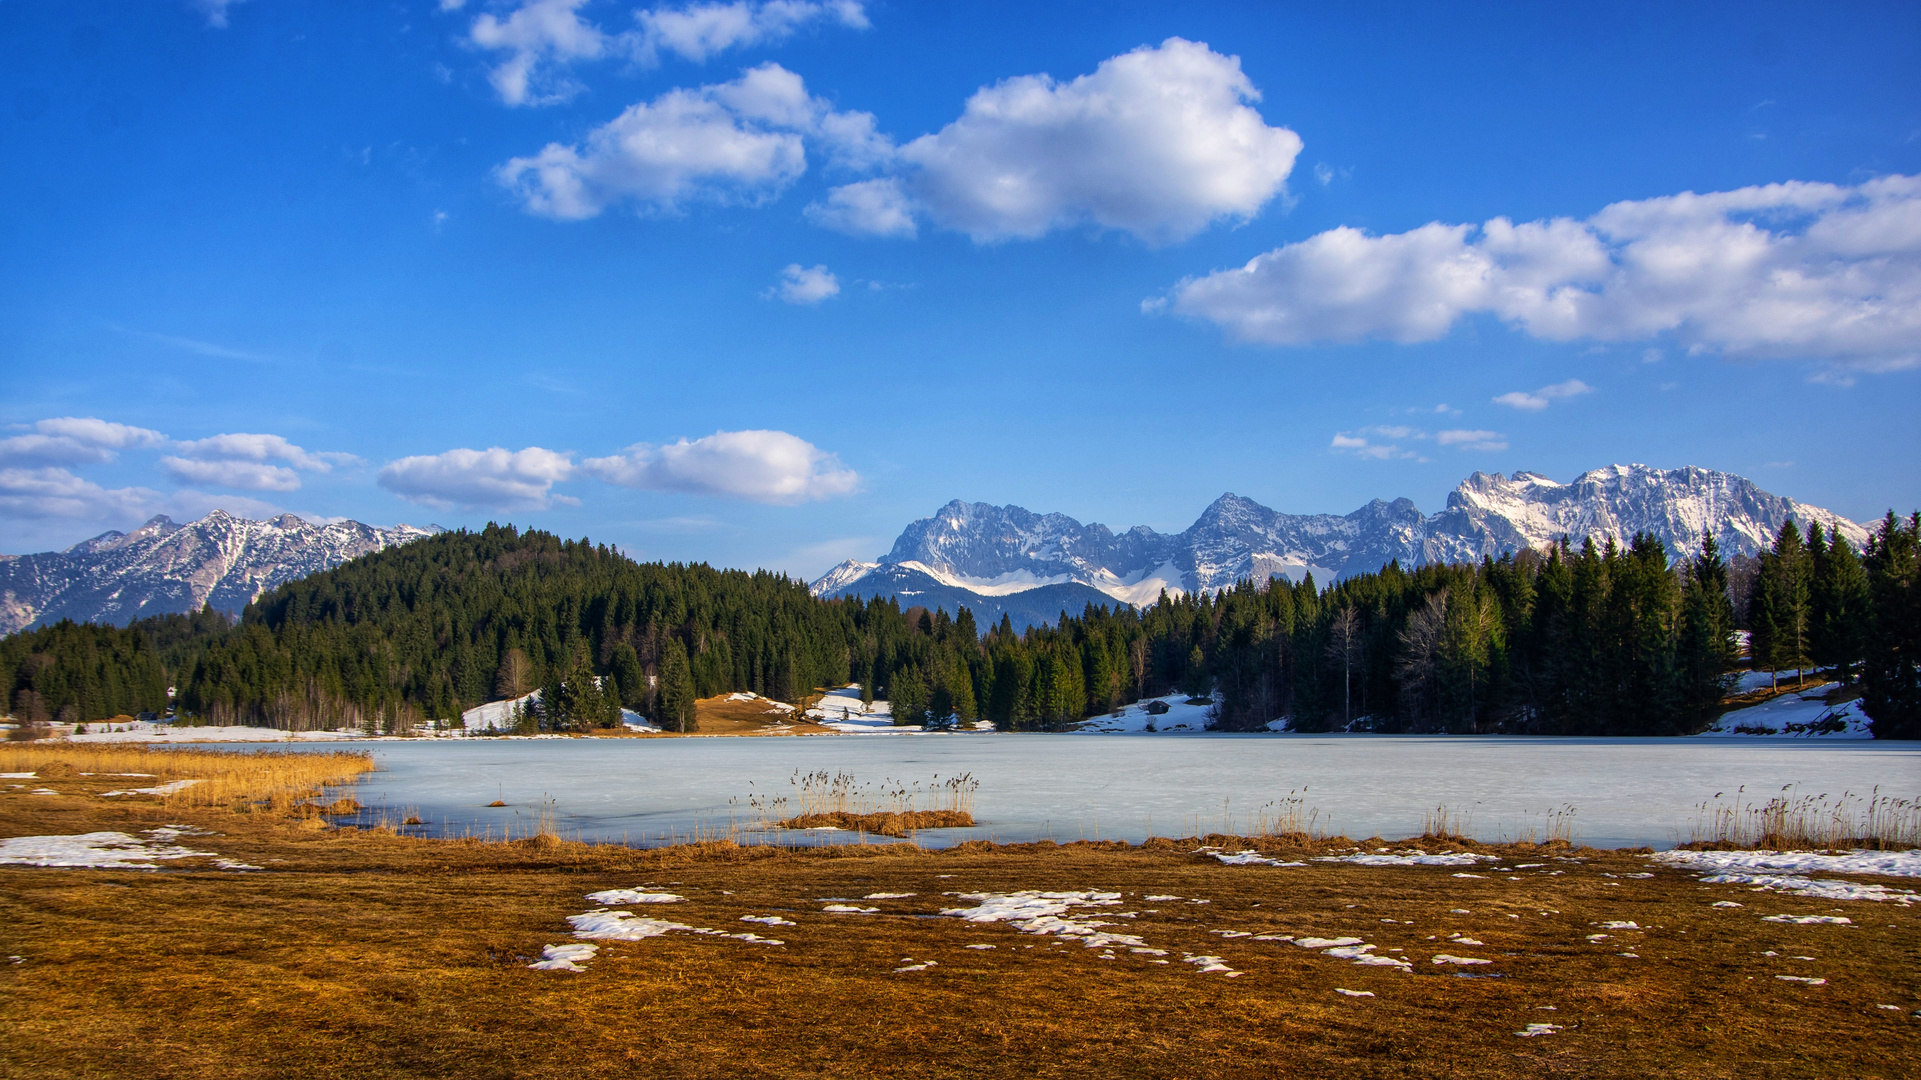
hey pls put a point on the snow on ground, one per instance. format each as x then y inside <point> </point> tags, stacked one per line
<point>1245,858</point>
<point>1414,857</point>
<point>1179,719</point>
<point>1803,715</point>
<point>1784,872</point>
<point>1760,680</point>
<point>843,711</point>
<point>159,789</point>
<point>616,897</point>
<point>1810,920</point>
<point>1033,912</point>
<point>1887,863</point>
<point>1351,949</point>
<point>602,924</point>
<point>107,850</point>
<point>143,731</point>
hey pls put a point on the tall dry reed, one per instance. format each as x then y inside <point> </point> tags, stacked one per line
<point>1792,820</point>
<point>220,778</point>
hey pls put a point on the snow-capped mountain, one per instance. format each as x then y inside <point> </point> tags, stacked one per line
<point>989,556</point>
<point>167,567</point>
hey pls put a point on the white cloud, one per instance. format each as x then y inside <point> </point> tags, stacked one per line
<point>243,460</point>
<point>215,11</point>
<point>1795,270</point>
<point>1537,400</point>
<point>74,440</point>
<point>1159,142</point>
<point>736,141</point>
<point>541,38</point>
<point>805,285</point>
<point>483,479</point>
<point>1383,441</point>
<point>251,447</point>
<point>1472,440</point>
<point>57,493</point>
<point>868,208</point>
<point>699,31</point>
<point>247,475</point>
<point>762,466</point>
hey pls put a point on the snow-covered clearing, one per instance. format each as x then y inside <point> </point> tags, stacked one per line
<point>109,850</point>
<point>499,717</point>
<point>1804,714</point>
<point>1179,719</point>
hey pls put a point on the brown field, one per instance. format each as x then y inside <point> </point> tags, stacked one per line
<point>719,716</point>
<point>367,954</point>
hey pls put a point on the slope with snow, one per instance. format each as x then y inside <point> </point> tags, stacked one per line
<point>164,567</point>
<point>1006,559</point>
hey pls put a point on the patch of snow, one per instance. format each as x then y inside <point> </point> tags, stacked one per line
<point>1447,958</point>
<point>850,909</point>
<point>1034,912</point>
<point>1803,714</point>
<point>922,966</point>
<point>1802,979</point>
<point>1888,863</point>
<point>1325,942</point>
<point>1210,964</point>
<point>1413,858</point>
<point>1246,858</point>
<point>564,957</point>
<point>1353,993</point>
<point>977,946</point>
<point>767,920</point>
<point>147,731</point>
<point>887,896</point>
<point>1810,920</point>
<point>1616,925</point>
<point>612,897</point>
<point>1538,1029</point>
<point>101,850</point>
<point>1726,903</point>
<point>18,776</point>
<point>160,789</point>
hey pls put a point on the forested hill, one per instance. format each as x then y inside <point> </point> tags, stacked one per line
<point>1601,640</point>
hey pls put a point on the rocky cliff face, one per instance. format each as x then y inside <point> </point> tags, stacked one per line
<point>166,567</point>
<point>999,551</point>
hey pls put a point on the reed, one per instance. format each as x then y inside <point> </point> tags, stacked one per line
<point>895,808</point>
<point>278,781</point>
<point>1794,820</point>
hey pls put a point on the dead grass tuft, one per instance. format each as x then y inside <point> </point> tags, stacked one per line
<point>252,779</point>
<point>895,824</point>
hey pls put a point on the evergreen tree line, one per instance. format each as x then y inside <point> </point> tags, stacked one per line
<point>1595,640</point>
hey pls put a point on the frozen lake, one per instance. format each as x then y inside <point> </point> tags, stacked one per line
<point>1624,792</point>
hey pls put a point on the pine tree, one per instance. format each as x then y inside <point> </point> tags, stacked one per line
<point>1837,604</point>
<point>1705,649</point>
<point>674,704</point>
<point>630,682</point>
<point>1891,669</point>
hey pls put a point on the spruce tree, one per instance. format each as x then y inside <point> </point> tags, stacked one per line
<point>1891,669</point>
<point>1837,604</point>
<point>1705,649</point>
<point>674,704</point>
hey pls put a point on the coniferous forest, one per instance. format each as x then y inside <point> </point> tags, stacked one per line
<point>1599,639</point>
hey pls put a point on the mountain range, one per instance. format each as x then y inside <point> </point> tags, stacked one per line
<point>999,560</point>
<point>166,567</point>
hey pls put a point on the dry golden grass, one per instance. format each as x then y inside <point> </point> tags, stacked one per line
<point>886,823</point>
<point>221,778</point>
<point>373,955</point>
<point>719,716</point>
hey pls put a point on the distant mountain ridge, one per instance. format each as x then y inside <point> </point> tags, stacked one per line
<point>995,558</point>
<point>164,567</point>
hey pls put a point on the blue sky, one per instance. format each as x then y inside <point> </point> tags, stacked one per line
<point>757,284</point>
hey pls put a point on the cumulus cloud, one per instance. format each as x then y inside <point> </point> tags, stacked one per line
<point>1535,401</point>
<point>1472,440</point>
<point>540,38</point>
<point>738,141</point>
<point>805,285</point>
<point>1794,270</point>
<point>1160,142</point>
<point>58,493</point>
<point>699,31</point>
<point>1383,441</point>
<point>494,478</point>
<point>246,461</point>
<point>761,466</point>
<point>868,208</point>
<point>74,440</point>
